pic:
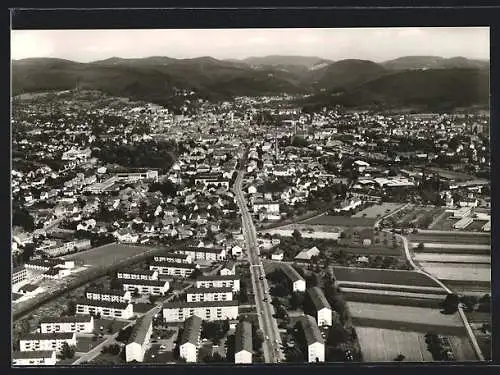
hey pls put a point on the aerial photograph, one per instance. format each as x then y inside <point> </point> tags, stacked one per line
<point>250,196</point>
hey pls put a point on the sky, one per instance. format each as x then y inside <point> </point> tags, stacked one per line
<point>376,44</point>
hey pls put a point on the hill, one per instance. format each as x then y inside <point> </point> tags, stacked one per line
<point>433,89</point>
<point>283,60</point>
<point>433,62</point>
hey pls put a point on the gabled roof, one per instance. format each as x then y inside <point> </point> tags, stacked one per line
<point>140,330</point>
<point>318,298</point>
<point>243,337</point>
<point>192,328</point>
<point>311,330</point>
<point>291,273</point>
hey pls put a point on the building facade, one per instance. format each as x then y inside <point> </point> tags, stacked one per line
<point>208,310</point>
<point>146,287</point>
<point>218,282</point>
<point>209,294</point>
<point>105,309</point>
<point>68,324</point>
<point>46,341</point>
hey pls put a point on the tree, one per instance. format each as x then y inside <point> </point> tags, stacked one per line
<point>71,308</point>
<point>296,235</point>
<point>195,274</point>
<point>399,358</point>
<point>420,246</point>
<point>67,352</point>
<point>450,304</point>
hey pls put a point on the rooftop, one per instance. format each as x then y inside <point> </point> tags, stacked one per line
<point>192,328</point>
<point>243,337</point>
<point>110,292</point>
<point>112,305</point>
<point>183,304</point>
<point>217,277</point>
<point>311,330</point>
<point>140,330</point>
<point>33,354</point>
<point>318,298</point>
<point>193,290</point>
<point>48,336</point>
<point>291,273</point>
<point>143,282</point>
<point>66,319</point>
<point>172,264</point>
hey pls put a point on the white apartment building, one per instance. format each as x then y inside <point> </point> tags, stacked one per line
<point>137,275</point>
<point>209,294</point>
<point>109,295</point>
<point>46,341</point>
<point>190,339</point>
<point>68,324</point>
<point>105,309</point>
<point>36,358</point>
<point>173,269</point>
<point>19,274</point>
<point>314,341</point>
<point>207,310</point>
<point>218,281</point>
<point>243,349</point>
<point>322,308</point>
<point>174,258</point>
<point>146,287</point>
<point>270,207</point>
<point>139,339</point>
<point>203,253</point>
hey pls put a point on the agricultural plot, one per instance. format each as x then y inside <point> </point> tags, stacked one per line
<point>108,254</point>
<point>372,275</point>
<point>405,318</point>
<point>384,345</point>
<point>342,221</point>
<point>387,297</point>
<point>378,210</point>
<point>452,258</point>
<point>459,272</point>
<point>450,237</point>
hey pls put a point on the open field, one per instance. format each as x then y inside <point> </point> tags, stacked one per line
<point>378,210</point>
<point>383,345</point>
<point>108,254</point>
<point>372,250</point>
<point>457,271</point>
<point>114,325</point>
<point>406,318</point>
<point>452,258</point>
<point>394,298</point>
<point>372,275</point>
<point>476,288</point>
<point>393,287</point>
<point>342,221</point>
<point>461,250</point>
<point>85,344</point>
<point>451,238</point>
<point>453,246</point>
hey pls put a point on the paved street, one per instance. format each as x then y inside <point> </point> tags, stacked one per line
<point>268,325</point>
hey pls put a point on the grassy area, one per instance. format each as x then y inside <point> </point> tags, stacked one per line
<point>67,362</point>
<point>109,326</point>
<point>342,221</point>
<point>451,238</point>
<point>370,275</point>
<point>108,359</point>
<point>108,254</point>
<point>85,344</point>
<point>378,210</point>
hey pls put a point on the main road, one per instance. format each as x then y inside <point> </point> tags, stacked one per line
<point>268,325</point>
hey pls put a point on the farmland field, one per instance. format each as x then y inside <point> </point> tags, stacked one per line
<point>383,345</point>
<point>462,250</point>
<point>393,297</point>
<point>407,318</point>
<point>457,271</point>
<point>341,221</point>
<point>451,237</point>
<point>452,258</point>
<point>108,254</point>
<point>393,287</point>
<point>371,275</point>
<point>378,210</point>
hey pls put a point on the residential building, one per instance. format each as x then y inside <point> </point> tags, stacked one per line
<point>77,323</point>
<point>109,295</point>
<point>67,247</point>
<point>278,255</point>
<point>243,348</point>
<point>314,342</point>
<point>218,281</point>
<point>190,339</point>
<point>207,310</point>
<point>462,212</point>
<point>307,254</point>
<point>173,268</point>
<point>209,294</point>
<point>203,253</point>
<point>174,258</point>
<point>137,275</point>
<point>46,341</point>
<point>298,284</point>
<point>56,273</point>
<point>105,309</point>
<point>320,306</point>
<point>146,287</point>
<point>229,268</point>
<point>19,274</point>
<point>269,207</point>
<point>35,358</point>
<point>139,339</point>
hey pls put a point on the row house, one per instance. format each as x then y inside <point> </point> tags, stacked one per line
<point>203,253</point>
<point>218,281</point>
<point>209,294</point>
<point>137,275</point>
<point>174,257</point>
<point>46,341</point>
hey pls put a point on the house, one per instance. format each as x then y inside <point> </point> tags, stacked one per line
<point>28,289</point>
<point>209,294</point>
<point>277,255</point>
<point>139,339</point>
<point>190,339</point>
<point>46,341</point>
<point>173,268</point>
<point>146,287</point>
<point>137,275</point>
<point>77,323</point>
<point>252,189</point>
<point>243,349</point>
<point>109,295</point>
<point>319,306</point>
<point>307,254</point>
<point>105,309</point>
<point>236,250</point>
<point>218,281</point>
<point>229,268</point>
<point>206,310</point>
<point>126,236</point>
<point>347,205</point>
<point>35,358</point>
<point>19,274</point>
<point>174,257</point>
<point>298,284</point>
<point>313,340</point>
<point>268,207</point>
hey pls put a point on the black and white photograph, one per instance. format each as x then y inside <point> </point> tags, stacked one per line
<point>248,196</point>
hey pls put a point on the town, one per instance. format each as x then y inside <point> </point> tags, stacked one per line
<point>252,231</point>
